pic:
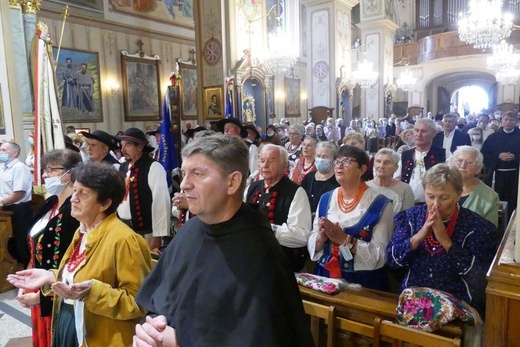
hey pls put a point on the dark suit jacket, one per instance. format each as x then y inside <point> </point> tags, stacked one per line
<point>434,156</point>
<point>459,139</point>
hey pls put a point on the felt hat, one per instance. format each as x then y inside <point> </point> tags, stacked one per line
<point>221,123</point>
<point>69,144</point>
<point>102,136</point>
<point>253,128</point>
<point>191,132</point>
<point>137,136</point>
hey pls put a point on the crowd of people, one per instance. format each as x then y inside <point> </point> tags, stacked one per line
<point>254,207</point>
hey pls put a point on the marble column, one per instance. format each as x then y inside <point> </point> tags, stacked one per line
<point>21,55</point>
<point>329,39</point>
<point>377,33</point>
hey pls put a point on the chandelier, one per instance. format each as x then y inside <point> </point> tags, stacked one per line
<point>281,54</point>
<point>504,62</point>
<point>484,25</point>
<point>407,81</point>
<point>365,76</point>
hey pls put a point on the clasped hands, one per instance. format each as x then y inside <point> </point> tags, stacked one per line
<point>33,279</point>
<point>155,332</point>
<point>434,224</point>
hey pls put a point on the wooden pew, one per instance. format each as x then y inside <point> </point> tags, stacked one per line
<point>7,263</point>
<point>356,311</point>
<point>320,312</point>
<point>398,334</point>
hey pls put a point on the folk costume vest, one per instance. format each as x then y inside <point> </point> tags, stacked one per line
<point>434,156</point>
<point>139,194</point>
<point>276,203</point>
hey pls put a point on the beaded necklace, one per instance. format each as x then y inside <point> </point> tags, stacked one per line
<point>433,246</point>
<point>347,207</point>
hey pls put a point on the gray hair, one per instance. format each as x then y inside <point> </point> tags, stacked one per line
<point>451,115</point>
<point>229,154</point>
<point>284,155</point>
<point>387,151</point>
<point>331,146</point>
<point>15,147</point>
<point>203,133</point>
<point>479,158</point>
<point>442,174</point>
<point>428,122</point>
<point>297,128</point>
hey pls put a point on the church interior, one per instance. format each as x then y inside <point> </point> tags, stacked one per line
<point>261,61</point>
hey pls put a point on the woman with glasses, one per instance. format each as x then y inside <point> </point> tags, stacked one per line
<point>50,235</point>
<point>476,196</point>
<point>294,145</point>
<point>353,226</point>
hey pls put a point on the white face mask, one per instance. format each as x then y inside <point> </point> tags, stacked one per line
<point>281,133</point>
<point>54,186</point>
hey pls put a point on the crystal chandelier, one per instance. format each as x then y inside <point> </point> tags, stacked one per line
<point>508,77</point>
<point>484,25</point>
<point>504,62</point>
<point>407,81</point>
<point>365,76</point>
<point>281,54</point>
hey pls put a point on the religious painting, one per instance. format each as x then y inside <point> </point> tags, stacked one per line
<point>141,92</point>
<point>79,86</point>
<point>292,97</point>
<point>248,109</point>
<point>178,12</point>
<point>213,103</point>
<point>91,4</point>
<point>188,91</point>
<point>2,116</point>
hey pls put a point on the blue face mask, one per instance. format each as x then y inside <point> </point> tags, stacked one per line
<point>323,165</point>
<point>30,141</point>
<point>4,157</point>
<point>54,186</point>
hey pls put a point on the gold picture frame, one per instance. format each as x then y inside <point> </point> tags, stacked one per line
<point>213,103</point>
<point>188,91</point>
<point>141,86</point>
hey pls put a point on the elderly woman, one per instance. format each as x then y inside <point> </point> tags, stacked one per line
<point>305,164</point>
<point>321,181</point>
<point>476,196</point>
<point>101,271</point>
<point>386,162</point>
<point>50,235</point>
<point>353,226</point>
<point>294,145</point>
<point>441,245</point>
<point>356,139</point>
<point>405,141</point>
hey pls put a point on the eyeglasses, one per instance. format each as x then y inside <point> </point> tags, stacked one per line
<point>50,170</point>
<point>460,161</point>
<point>345,162</point>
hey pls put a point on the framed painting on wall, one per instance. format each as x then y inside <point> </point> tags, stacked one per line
<point>292,98</point>
<point>188,91</point>
<point>141,86</point>
<point>213,103</point>
<point>79,86</point>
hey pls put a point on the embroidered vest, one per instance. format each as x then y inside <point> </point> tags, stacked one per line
<point>140,194</point>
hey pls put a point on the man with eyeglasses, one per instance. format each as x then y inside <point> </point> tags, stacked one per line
<point>501,152</point>
<point>15,195</point>
<point>285,203</point>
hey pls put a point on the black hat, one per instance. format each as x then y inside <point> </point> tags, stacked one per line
<point>272,127</point>
<point>253,128</point>
<point>102,136</point>
<point>221,123</point>
<point>137,136</point>
<point>69,144</point>
<point>191,132</point>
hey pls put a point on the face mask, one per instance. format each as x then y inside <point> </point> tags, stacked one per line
<point>329,124</point>
<point>54,186</point>
<point>460,126</point>
<point>323,165</point>
<point>270,134</point>
<point>281,133</point>
<point>30,141</point>
<point>476,137</point>
<point>410,143</point>
<point>83,145</point>
<point>4,157</point>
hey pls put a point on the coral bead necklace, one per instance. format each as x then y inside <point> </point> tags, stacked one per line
<point>432,245</point>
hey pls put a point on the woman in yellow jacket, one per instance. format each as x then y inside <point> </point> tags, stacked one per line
<point>95,286</point>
